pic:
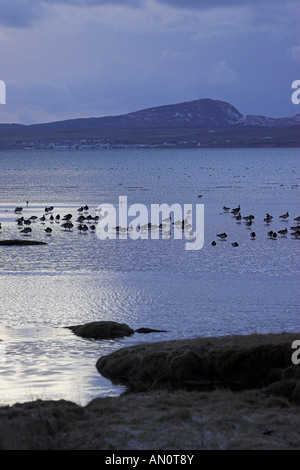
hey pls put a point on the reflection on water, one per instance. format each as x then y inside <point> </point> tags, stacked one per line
<point>45,364</point>
<point>45,360</point>
<point>209,304</point>
<point>76,278</point>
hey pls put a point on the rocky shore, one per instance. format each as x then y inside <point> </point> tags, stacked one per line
<point>238,362</point>
<point>234,392</point>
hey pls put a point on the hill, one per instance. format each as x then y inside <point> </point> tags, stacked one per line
<point>203,122</point>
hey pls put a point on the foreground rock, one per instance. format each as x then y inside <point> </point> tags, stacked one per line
<point>21,242</point>
<point>102,330</point>
<point>235,362</point>
<point>261,419</point>
<point>176,420</point>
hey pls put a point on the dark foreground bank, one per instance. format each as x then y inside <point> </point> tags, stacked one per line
<point>237,362</point>
<point>166,416</point>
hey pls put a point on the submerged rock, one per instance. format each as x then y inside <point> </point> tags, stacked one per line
<point>149,330</point>
<point>102,330</point>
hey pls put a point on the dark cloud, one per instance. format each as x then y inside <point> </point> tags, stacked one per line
<point>210,4</point>
<point>144,54</point>
<point>20,13</point>
<point>24,13</point>
<point>93,3</point>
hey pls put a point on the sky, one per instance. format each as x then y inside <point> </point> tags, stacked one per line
<point>65,59</point>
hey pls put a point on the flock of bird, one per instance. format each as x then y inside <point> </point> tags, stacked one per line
<point>249,220</point>
<point>83,220</point>
<point>86,222</point>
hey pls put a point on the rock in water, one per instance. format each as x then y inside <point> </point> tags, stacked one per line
<point>102,330</point>
<point>20,242</point>
<point>149,330</point>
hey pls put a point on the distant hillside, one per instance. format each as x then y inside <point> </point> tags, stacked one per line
<point>201,122</point>
<point>199,113</point>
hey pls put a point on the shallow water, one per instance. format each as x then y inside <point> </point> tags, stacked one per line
<point>77,278</point>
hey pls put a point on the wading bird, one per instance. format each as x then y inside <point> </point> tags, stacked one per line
<point>26,231</point>
<point>67,225</point>
<point>222,235</point>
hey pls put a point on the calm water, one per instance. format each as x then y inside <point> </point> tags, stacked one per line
<point>77,278</point>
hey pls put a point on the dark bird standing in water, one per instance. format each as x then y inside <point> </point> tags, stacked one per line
<point>236,210</point>
<point>222,235</point>
<point>67,225</point>
<point>268,218</point>
<point>26,230</point>
<point>67,217</point>
<point>283,232</point>
<point>296,234</point>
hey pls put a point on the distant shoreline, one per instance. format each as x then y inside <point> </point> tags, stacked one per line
<point>168,145</point>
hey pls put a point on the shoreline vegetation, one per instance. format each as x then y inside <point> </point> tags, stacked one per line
<point>232,392</point>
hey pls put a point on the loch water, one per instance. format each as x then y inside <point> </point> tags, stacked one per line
<point>77,278</point>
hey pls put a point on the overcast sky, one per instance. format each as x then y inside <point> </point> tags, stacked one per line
<point>63,59</point>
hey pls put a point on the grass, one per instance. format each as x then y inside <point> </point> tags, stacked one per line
<point>167,415</point>
<point>237,362</point>
<point>159,420</point>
